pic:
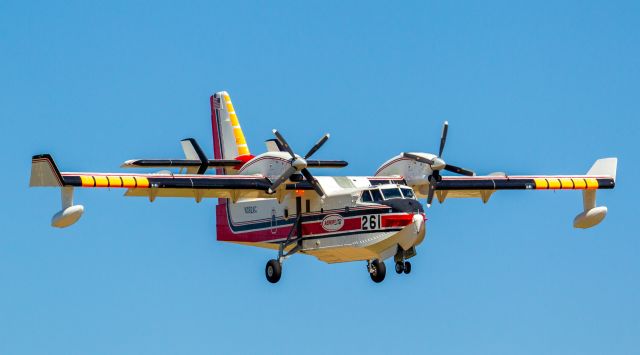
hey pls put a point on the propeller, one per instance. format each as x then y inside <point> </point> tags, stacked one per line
<point>438,164</point>
<point>298,164</point>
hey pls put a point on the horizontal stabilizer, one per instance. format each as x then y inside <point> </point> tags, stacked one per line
<point>326,163</point>
<point>196,161</point>
<point>192,151</point>
<point>178,163</point>
<point>216,163</point>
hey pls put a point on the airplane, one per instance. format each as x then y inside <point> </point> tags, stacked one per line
<point>271,200</point>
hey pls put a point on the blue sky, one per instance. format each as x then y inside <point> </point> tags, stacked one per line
<point>542,87</point>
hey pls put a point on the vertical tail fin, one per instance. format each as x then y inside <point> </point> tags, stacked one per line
<point>228,138</point>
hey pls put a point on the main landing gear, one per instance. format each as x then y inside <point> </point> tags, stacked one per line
<point>377,270</point>
<point>273,270</point>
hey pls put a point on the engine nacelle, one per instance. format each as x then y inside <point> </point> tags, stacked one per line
<point>407,168</point>
<point>590,218</point>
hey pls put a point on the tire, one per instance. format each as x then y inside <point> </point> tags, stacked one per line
<point>399,267</point>
<point>273,271</point>
<point>407,267</point>
<point>379,271</point>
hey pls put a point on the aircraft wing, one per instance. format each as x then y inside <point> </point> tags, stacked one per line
<point>44,172</point>
<point>483,186</point>
<point>602,175</point>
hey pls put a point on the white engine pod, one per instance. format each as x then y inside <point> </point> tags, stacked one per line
<point>67,216</point>
<point>590,218</point>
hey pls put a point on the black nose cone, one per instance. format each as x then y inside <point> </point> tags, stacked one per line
<point>404,205</point>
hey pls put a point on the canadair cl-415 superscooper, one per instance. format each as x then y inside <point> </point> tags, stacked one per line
<point>272,200</point>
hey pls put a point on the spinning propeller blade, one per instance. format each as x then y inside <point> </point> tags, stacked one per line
<point>317,146</point>
<point>432,189</point>
<point>299,164</point>
<point>418,158</point>
<point>458,170</point>
<point>284,143</point>
<point>282,178</point>
<point>438,164</point>
<point>312,181</point>
<point>443,138</point>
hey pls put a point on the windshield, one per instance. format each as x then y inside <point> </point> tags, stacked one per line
<point>391,193</point>
<point>408,193</point>
<point>366,196</point>
<point>377,196</point>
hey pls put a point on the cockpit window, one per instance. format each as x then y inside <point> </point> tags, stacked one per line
<point>377,196</point>
<point>391,193</point>
<point>408,193</point>
<point>366,196</point>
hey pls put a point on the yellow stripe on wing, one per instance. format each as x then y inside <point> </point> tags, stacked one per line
<point>114,181</point>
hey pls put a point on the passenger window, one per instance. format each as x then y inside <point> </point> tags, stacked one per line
<point>408,193</point>
<point>377,196</point>
<point>366,196</point>
<point>391,193</point>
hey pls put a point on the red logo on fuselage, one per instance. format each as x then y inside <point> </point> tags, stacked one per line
<point>332,223</point>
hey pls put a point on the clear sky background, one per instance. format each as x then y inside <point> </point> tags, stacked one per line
<point>527,88</point>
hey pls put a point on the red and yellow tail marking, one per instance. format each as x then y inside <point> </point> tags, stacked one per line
<point>241,143</point>
<point>566,183</point>
<point>114,181</point>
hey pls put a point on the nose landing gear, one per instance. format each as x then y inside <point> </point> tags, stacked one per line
<point>400,258</point>
<point>403,267</point>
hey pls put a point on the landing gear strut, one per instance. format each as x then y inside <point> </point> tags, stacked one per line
<point>377,270</point>
<point>401,264</point>
<point>273,270</point>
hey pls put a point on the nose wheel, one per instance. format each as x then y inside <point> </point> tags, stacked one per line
<point>399,267</point>
<point>407,267</point>
<point>403,267</point>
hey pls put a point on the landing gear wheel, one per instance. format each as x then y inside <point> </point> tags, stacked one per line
<point>407,267</point>
<point>399,267</point>
<point>273,271</point>
<point>378,271</point>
